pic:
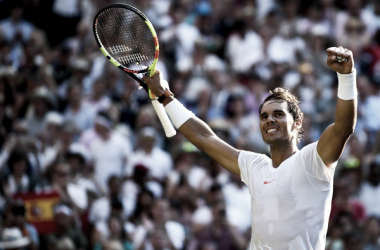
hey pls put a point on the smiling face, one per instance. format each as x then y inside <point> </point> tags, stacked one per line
<point>277,124</point>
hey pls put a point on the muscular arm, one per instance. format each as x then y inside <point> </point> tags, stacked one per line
<point>334,138</point>
<point>199,133</point>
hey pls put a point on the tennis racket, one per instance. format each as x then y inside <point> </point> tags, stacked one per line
<point>128,40</point>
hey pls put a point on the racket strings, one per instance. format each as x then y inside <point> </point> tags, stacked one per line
<point>127,38</point>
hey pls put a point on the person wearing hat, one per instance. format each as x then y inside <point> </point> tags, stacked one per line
<point>12,238</point>
<point>16,217</point>
<point>40,104</point>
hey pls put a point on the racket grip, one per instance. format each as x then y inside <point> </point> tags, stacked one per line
<point>166,123</point>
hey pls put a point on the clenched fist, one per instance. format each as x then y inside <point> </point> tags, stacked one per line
<point>340,59</point>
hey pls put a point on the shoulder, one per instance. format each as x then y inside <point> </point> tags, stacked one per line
<point>174,227</point>
<point>250,163</point>
<point>253,35</point>
<point>310,148</point>
<point>100,202</point>
<point>309,154</point>
<point>251,158</point>
<point>160,152</point>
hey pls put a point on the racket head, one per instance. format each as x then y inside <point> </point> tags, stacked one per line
<point>127,38</point>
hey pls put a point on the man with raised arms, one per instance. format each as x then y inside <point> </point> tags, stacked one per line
<point>291,192</point>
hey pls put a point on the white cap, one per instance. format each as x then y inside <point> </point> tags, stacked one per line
<point>62,209</point>
<point>54,118</point>
<point>12,238</point>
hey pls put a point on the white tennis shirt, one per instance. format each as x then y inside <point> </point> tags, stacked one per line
<point>290,204</point>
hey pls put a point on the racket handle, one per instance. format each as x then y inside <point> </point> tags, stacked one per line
<point>166,123</point>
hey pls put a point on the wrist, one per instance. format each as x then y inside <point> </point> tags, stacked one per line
<point>167,100</point>
<point>347,89</point>
<point>178,113</point>
<point>165,95</point>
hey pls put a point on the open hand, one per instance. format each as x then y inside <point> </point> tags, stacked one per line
<point>336,53</point>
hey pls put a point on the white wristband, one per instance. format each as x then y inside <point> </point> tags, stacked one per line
<point>178,113</point>
<point>347,86</point>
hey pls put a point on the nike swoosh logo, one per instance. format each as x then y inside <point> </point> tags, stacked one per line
<point>266,182</point>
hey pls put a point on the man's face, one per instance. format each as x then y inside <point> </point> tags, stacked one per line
<point>161,210</point>
<point>62,175</point>
<point>114,186</point>
<point>276,123</point>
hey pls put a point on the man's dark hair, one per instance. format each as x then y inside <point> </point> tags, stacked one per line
<point>284,95</point>
<point>18,154</point>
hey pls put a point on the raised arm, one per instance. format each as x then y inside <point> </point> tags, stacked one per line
<point>334,138</point>
<point>195,130</point>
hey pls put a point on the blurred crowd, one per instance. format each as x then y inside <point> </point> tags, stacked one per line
<point>73,125</point>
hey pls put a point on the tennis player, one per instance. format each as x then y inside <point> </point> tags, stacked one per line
<point>291,192</point>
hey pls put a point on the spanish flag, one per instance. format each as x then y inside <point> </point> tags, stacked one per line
<point>39,209</point>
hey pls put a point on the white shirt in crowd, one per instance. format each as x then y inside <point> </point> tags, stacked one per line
<point>237,48</point>
<point>78,195</point>
<point>159,162</point>
<point>101,208</point>
<point>83,118</point>
<point>366,196</point>
<point>187,36</point>
<point>175,231</point>
<point>284,50</point>
<point>290,204</point>
<point>109,157</point>
<point>10,29</point>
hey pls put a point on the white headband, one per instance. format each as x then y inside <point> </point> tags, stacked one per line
<point>103,121</point>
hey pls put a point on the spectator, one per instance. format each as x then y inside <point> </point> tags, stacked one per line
<point>16,217</point>
<point>286,47</point>
<point>150,155</point>
<point>171,231</point>
<point>98,100</point>
<point>354,35</point>
<point>116,235</point>
<point>64,220</point>
<point>111,204</point>
<point>372,232</point>
<point>110,151</point>
<point>345,201</point>
<point>237,45</point>
<point>11,238</point>
<point>70,192</point>
<point>220,231</point>
<point>63,141</point>
<point>370,189</point>
<point>15,28</point>
<point>83,172</point>
<point>41,104</point>
<point>18,180</point>
<point>180,35</point>
<point>187,169</point>
<point>241,123</point>
<point>78,112</point>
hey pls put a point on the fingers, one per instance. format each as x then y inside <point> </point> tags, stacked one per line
<point>148,79</point>
<point>338,54</point>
